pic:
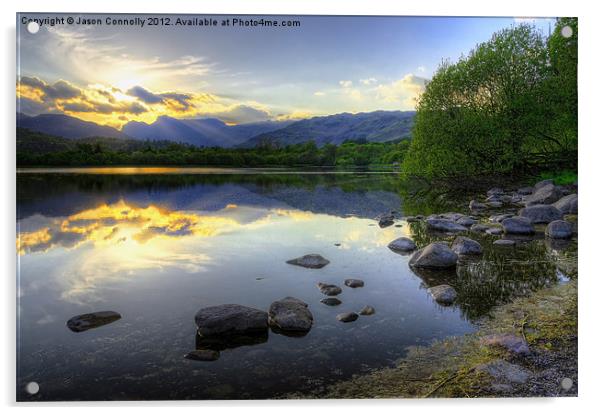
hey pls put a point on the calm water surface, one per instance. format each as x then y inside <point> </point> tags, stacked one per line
<point>156,245</point>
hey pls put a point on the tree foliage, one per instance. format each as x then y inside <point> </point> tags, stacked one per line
<point>510,104</point>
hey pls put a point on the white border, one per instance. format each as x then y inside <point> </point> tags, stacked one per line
<point>589,146</point>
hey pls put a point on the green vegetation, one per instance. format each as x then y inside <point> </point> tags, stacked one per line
<point>37,149</point>
<point>561,177</point>
<point>509,106</point>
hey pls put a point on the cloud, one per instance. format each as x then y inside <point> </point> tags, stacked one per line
<point>240,114</point>
<point>144,95</point>
<point>368,81</point>
<point>346,84</point>
<point>59,90</point>
<point>319,94</point>
<point>404,91</point>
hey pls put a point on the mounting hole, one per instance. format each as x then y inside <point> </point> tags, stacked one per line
<point>566,384</point>
<point>32,388</point>
<point>566,31</point>
<point>33,27</point>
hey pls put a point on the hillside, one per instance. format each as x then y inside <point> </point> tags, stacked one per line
<point>377,126</point>
<point>65,126</point>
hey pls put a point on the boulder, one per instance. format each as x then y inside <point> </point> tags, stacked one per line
<point>385,220</point>
<point>367,311</point>
<point>402,244</point>
<point>330,301</point>
<point>444,225</point>
<point>542,183</point>
<point>511,342</point>
<point>309,261</point>
<point>347,317</point>
<point>466,246</point>
<point>89,321</point>
<point>329,289</point>
<point>544,195</point>
<point>354,283</point>
<point>205,355</point>
<point>290,314</point>
<point>436,256</point>
<point>230,319</point>
<point>518,225</point>
<point>567,204</point>
<point>559,229</point>
<point>443,294</point>
<point>540,213</point>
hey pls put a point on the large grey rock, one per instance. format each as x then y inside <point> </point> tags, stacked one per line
<point>502,370</point>
<point>354,283</point>
<point>402,244</point>
<point>290,314</point>
<point>542,183</point>
<point>89,321</point>
<point>511,342</point>
<point>518,225</point>
<point>567,204</point>
<point>540,213</point>
<point>444,225</point>
<point>230,319</point>
<point>309,261</point>
<point>347,317</point>
<point>330,301</point>
<point>466,246</point>
<point>443,294</point>
<point>329,289</point>
<point>436,255</point>
<point>544,195</point>
<point>559,229</point>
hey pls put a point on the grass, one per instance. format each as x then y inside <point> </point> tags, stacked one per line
<point>449,368</point>
<point>562,177</point>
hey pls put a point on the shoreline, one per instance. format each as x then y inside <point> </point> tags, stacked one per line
<point>466,367</point>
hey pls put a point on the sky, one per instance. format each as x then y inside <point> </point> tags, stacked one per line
<point>326,65</point>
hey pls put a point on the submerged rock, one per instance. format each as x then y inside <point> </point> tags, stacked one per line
<point>443,294</point>
<point>347,317</point>
<point>466,246</point>
<point>567,204</point>
<point>504,371</point>
<point>559,229</point>
<point>290,314</point>
<point>89,321</point>
<point>518,225</point>
<point>436,255</point>
<point>330,301</point>
<point>354,283</point>
<point>205,355</point>
<point>511,342</point>
<point>402,244</point>
<point>329,289</point>
<point>367,311</point>
<point>309,261</point>
<point>541,213</point>
<point>444,225</point>
<point>227,319</point>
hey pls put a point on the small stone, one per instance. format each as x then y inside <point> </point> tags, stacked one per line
<point>385,220</point>
<point>466,246</point>
<point>525,191</point>
<point>402,244</point>
<point>329,289</point>
<point>443,294</point>
<point>436,255</point>
<point>475,205</point>
<point>518,225</point>
<point>310,261</point>
<point>502,370</point>
<point>367,311</point>
<point>290,314</point>
<point>466,221</point>
<point>89,321</point>
<point>347,317</point>
<point>496,191</point>
<point>330,301</point>
<point>203,355</point>
<point>479,227</point>
<point>504,242</point>
<point>494,231</point>
<point>354,283</point>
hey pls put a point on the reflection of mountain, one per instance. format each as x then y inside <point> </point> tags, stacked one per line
<point>63,194</point>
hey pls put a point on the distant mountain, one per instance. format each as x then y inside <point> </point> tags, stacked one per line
<point>204,132</point>
<point>61,125</point>
<point>377,126</point>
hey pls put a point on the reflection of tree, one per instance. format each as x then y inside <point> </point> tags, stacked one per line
<point>500,274</point>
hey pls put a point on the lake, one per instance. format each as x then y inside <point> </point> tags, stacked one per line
<point>158,244</point>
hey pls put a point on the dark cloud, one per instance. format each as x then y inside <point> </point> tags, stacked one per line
<point>144,95</point>
<point>59,90</point>
<point>31,107</point>
<point>177,101</point>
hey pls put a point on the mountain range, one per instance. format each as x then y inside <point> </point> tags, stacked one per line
<point>377,126</point>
